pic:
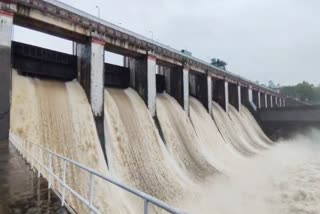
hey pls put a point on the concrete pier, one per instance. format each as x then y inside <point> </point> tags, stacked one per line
<point>97,77</point>
<point>209,88</point>
<point>90,62</point>
<point>255,98</point>
<point>259,99</point>
<point>186,90</point>
<point>252,101</point>
<point>277,101</point>
<point>263,100</point>
<point>144,72</point>
<point>91,72</point>
<point>151,82</point>
<point>6,28</point>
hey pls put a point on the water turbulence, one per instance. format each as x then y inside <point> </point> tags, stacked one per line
<point>246,128</point>
<point>282,180</point>
<point>181,139</point>
<point>57,115</point>
<point>208,163</point>
<point>214,146</point>
<point>136,153</point>
<point>231,131</point>
<point>254,127</point>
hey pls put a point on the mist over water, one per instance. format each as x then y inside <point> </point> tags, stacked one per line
<point>284,179</point>
<point>205,163</point>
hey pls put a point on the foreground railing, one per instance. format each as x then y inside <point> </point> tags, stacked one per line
<point>22,146</point>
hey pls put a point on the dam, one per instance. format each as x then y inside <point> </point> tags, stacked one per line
<point>164,132</point>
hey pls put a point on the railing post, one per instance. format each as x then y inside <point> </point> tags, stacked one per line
<point>146,207</point>
<point>24,151</point>
<point>32,160</point>
<point>64,181</point>
<point>91,185</point>
<point>50,171</point>
<point>39,170</point>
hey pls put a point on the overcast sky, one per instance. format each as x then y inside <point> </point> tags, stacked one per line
<point>262,40</point>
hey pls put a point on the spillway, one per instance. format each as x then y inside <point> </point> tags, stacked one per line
<point>223,155</point>
<point>57,115</point>
<point>244,127</point>
<point>181,139</point>
<point>231,131</point>
<point>202,163</point>
<point>254,127</point>
<point>136,153</point>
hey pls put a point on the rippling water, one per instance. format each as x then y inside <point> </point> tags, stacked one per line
<point>21,191</point>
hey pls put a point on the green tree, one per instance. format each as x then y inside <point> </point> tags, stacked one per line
<point>303,91</point>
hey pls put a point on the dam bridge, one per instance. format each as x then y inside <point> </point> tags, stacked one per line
<point>149,67</point>
<point>144,58</point>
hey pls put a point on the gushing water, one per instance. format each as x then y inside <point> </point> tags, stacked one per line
<point>214,162</point>
<point>57,116</point>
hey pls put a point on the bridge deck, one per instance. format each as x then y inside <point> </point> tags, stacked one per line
<point>20,189</point>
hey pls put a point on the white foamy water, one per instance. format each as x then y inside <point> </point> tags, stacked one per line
<point>181,139</point>
<point>283,180</point>
<point>231,130</point>
<point>57,115</point>
<point>220,153</point>
<point>136,153</point>
<point>219,163</point>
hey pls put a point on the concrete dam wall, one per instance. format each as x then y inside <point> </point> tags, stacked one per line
<point>165,123</point>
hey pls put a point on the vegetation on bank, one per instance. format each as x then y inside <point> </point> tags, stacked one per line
<point>303,91</point>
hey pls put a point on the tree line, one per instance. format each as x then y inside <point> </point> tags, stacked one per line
<point>304,91</point>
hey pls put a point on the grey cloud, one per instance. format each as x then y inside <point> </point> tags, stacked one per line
<point>261,40</point>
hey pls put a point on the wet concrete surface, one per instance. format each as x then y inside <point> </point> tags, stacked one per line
<point>21,191</point>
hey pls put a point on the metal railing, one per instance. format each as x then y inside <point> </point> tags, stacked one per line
<point>22,146</point>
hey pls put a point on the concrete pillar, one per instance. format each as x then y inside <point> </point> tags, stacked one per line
<point>126,61</point>
<point>151,82</point>
<point>251,100</point>
<point>226,95</point>
<point>259,99</point>
<point>91,72</point>
<point>209,88</point>
<point>239,97</point>
<point>271,101</point>
<point>6,28</point>
<point>145,80</point>
<point>250,95</point>
<point>262,100</point>
<point>97,77</point>
<point>132,69</point>
<point>266,100</point>
<point>284,103</point>
<point>255,98</point>
<point>90,62</point>
<point>186,90</point>
<point>167,74</point>
<point>280,102</point>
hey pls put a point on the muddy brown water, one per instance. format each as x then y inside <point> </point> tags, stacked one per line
<point>21,191</point>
